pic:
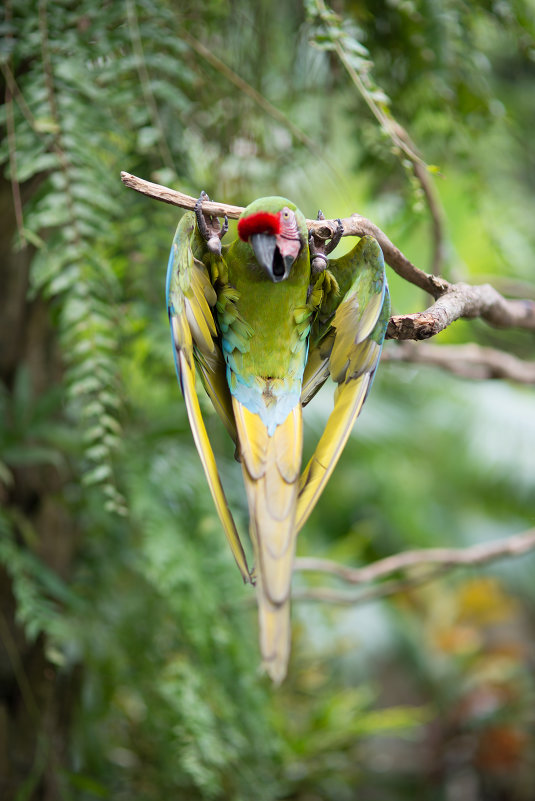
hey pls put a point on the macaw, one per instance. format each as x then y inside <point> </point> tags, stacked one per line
<point>266,320</point>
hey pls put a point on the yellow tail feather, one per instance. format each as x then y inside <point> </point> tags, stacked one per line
<point>275,636</point>
<point>270,468</point>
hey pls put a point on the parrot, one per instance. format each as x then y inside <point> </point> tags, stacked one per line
<point>264,322</point>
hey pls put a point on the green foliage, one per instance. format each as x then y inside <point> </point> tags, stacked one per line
<point>71,213</point>
<point>173,715</point>
<point>29,434</point>
<point>38,592</point>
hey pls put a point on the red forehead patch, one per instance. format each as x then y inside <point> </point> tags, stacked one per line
<point>260,223</point>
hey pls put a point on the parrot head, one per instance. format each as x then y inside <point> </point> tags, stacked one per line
<point>276,231</point>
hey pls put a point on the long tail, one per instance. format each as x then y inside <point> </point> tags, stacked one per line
<point>271,471</point>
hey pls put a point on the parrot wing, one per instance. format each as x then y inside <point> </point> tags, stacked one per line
<point>190,297</point>
<point>346,344</point>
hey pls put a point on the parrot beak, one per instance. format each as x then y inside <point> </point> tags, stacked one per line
<point>269,256</point>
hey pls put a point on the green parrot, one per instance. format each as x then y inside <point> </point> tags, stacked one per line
<point>266,320</point>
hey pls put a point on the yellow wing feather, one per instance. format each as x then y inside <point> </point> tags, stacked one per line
<point>347,405</point>
<point>317,368</point>
<point>213,372</point>
<point>202,442</point>
<point>193,329</point>
<point>348,351</point>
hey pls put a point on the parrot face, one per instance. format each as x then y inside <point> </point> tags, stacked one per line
<point>274,238</point>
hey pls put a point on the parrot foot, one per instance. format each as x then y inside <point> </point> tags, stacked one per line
<point>209,226</point>
<point>320,248</point>
<point>335,238</point>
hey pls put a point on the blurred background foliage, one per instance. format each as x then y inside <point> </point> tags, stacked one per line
<point>128,655</point>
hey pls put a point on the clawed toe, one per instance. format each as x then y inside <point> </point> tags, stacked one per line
<point>335,238</point>
<point>209,226</point>
<point>320,248</point>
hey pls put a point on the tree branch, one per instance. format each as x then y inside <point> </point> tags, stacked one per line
<point>463,300</point>
<point>439,558</point>
<point>452,300</point>
<point>468,361</point>
<point>372,593</point>
<point>357,225</point>
<point>174,198</point>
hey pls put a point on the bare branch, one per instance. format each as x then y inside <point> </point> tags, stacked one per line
<point>463,300</point>
<point>468,361</point>
<point>440,558</point>
<point>174,198</point>
<point>373,593</point>
<point>453,300</point>
<point>357,225</point>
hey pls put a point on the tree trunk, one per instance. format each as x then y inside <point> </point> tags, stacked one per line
<point>35,697</point>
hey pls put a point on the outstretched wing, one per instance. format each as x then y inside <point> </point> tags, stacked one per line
<point>346,344</point>
<point>190,297</point>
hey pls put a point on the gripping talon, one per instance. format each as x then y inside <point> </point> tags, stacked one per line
<point>201,222</point>
<point>318,259</point>
<point>335,238</point>
<point>320,249</point>
<point>209,226</point>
